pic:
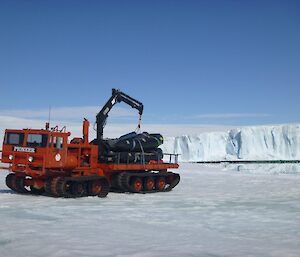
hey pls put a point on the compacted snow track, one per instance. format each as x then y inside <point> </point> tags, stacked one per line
<point>214,211</point>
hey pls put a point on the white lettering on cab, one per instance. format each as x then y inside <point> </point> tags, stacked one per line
<point>24,149</point>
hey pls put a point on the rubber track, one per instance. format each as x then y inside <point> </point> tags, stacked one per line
<point>105,188</point>
<point>9,180</point>
<point>55,187</point>
<point>36,191</point>
<point>58,186</point>
<point>47,186</point>
<point>17,184</point>
<point>123,182</point>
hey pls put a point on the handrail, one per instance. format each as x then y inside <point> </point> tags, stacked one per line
<point>141,156</point>
<point>175,155</point>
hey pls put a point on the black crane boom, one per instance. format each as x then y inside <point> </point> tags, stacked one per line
<point>117,97</point>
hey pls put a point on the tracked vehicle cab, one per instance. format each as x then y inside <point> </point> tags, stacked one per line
<point>35,148</point>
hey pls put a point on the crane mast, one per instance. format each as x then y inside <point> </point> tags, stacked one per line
<point>117,97</point>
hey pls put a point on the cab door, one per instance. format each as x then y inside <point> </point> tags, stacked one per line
<point>57,150</point>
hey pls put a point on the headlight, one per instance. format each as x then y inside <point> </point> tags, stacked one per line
<point>57,157</point>
<point>30,158</point>
<point>10,157</point>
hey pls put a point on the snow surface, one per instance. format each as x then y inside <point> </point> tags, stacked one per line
<point>229,210</point>
<point>281,142</point>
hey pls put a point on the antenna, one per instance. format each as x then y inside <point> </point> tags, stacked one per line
<point>49,116</point>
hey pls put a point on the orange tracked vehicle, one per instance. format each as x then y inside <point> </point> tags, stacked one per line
<point>46,161</point>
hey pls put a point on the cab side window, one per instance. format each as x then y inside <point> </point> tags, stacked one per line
<point>57,142</point>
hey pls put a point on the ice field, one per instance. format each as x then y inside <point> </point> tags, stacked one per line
<point>214,211</point>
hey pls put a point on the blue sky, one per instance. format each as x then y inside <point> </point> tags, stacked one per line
<point>202,62</point>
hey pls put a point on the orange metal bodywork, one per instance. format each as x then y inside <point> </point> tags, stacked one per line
<point>76,157</point>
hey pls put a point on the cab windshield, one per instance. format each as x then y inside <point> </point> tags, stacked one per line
<point>14,138</point>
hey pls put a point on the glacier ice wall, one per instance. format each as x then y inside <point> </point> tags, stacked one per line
<point>281,142</point>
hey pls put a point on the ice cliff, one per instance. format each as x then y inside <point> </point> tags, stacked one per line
<point>281,142</point>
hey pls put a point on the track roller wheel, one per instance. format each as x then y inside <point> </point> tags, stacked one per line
<point>160,184</point>
<point>64,188</point>
<point>136,184</point>
<point>10,180</point>
<point>94,187</point>
<point>149,184</point>
<point>78,189</point>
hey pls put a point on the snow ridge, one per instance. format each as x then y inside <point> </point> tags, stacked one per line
<point>280,142</point>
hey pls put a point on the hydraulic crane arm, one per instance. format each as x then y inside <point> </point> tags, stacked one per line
<point>117,97</point>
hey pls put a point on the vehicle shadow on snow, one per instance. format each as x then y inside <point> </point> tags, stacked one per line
<point>7,191</point>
